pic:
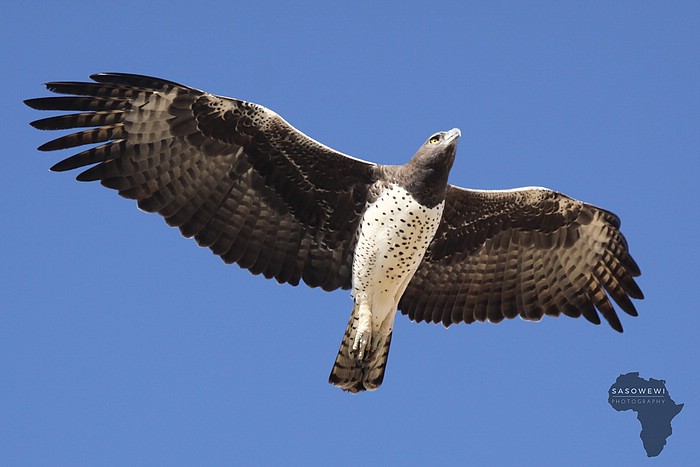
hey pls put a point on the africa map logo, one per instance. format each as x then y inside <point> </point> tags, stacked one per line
<point>653,404</point>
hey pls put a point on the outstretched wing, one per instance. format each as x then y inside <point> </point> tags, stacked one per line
<point>527,252</point>
<point>232,174</point>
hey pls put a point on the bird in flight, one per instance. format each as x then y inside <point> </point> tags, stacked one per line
<point>243,182</point>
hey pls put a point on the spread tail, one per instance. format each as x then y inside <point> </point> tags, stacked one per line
<point>353,375</point>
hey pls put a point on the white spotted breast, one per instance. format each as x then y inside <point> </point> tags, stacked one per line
<point>393,236</point>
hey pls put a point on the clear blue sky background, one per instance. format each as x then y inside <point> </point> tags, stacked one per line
<point>122,343</point>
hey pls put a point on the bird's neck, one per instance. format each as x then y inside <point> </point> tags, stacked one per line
<point>427,184</point>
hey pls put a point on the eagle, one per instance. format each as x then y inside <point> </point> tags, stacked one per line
<point>243,182</point>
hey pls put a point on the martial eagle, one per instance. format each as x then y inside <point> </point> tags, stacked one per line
<point>256,191</point>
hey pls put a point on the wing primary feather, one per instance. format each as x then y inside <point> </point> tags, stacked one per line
<point>79,120</point>
<point>96,135</point>
<point>77,103</point>
<point>90,156</point>
<point>139,81</point>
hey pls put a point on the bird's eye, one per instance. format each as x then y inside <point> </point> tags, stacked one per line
<point>434,140</point>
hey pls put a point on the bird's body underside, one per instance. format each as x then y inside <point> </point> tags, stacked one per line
<point>243,182</point>
<point>394,234</point>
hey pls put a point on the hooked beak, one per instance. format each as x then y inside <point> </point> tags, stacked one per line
<point>453,134</point>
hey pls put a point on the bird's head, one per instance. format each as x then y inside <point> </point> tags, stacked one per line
<point>437,154</point>
<point>428,169</point>
<point>438,151</point>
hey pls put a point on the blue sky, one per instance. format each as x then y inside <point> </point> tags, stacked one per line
<point>122,343</point>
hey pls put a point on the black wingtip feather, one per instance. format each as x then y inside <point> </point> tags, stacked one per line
<point>63,166</point>
<point>35,103</point>
<point>131,79</point>
<point>60,122</point>
<point>37,124</point>
<point>48,146</point>
<point>90,175</point>
<point>613,321</point>
<point>64,87</point>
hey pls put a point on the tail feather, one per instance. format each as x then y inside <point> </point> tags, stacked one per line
<point>353,375</point>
